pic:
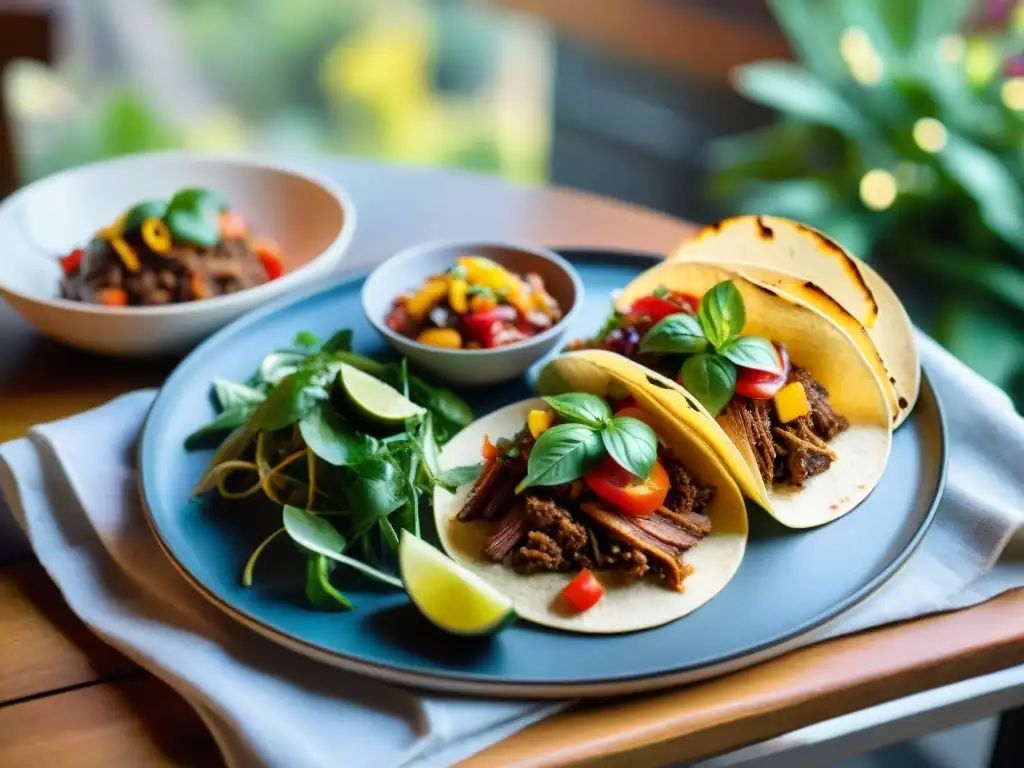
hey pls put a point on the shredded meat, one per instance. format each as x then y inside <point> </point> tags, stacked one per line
<point>511,528</point>
<point>539,553</point>
<point>751,419</point>
<point>664,528</point>
<point>825,422</point>
<point>616,525</point>
<point>493,489</point>
<point>803,454</point>
<point>557,522</point>
<point>684,494</point>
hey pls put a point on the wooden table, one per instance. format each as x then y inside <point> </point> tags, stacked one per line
<point>68,699</point>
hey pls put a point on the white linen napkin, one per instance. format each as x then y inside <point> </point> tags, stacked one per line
<point>71,487</point>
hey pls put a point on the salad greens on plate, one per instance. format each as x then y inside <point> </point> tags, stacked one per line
<point>346,446</point>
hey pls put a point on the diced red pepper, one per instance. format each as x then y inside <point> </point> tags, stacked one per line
<point>271,263</point>
<point>584,591</point>
<point>488,451</point>
<point>72,262</point>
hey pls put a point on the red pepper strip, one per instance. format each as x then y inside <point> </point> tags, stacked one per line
<point>271,263</point>
<point>72,262</point>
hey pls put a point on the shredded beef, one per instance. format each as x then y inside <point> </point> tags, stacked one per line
<point>825,422</point>
<point>664,555</point>
<point>493,489</point>
<point>539,553</point>
<point>556,522</point>
<point>511,528</point>
<point>684,494</point>
<point>803,454</point>
<point>752,419</point>
<point>664,528</point>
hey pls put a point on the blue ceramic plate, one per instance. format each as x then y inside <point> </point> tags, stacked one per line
<point>790,582</point>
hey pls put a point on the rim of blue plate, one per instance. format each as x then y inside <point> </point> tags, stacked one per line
<point>466,682</point>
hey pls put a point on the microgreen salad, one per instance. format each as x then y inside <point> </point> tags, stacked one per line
<point>344,445</point>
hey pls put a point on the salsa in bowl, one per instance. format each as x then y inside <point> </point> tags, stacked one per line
<point>473,313</point>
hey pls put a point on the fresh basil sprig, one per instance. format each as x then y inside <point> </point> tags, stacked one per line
<point>713,342</point>
<point>568,451</point>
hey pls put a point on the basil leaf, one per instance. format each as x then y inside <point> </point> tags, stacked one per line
<point>375,490</point>
<point>452,479</point>
<point>198,199</point>
<point>229,419</point>
<point>581,408</point>
<point>325,431</point>
<point>679,334</point>
<point>317,535</point>
<point>752,352</point>
<point>230,394</point>
<point>562,454</point>
<point>137,214</point>
<point>319,590</point>
<point>632,444</point>
<point>200,228</point>
<point>721,313</point>
<point>339,342</point>
<point>388,534</point>
<point>288,402</point>
<point>711,379</point>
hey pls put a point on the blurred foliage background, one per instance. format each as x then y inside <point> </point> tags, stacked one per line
<point>440,82</point>
<point>900,133</point>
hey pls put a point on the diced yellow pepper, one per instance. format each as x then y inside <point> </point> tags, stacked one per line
<point>427,297</point>
<point>539,422</point>
<point>448,338</point>
<point>482,303</point>
<point>519,297</point>
<point>486,273</point>
<point>457,295</point>
<point>127,254</point>
<point>791,402</point>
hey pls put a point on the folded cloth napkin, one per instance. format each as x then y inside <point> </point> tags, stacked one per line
<point>71,487</point>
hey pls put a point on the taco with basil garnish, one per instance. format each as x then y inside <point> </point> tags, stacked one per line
<point>806,264</point>
<point>597,510</point>
<point>777,389</point>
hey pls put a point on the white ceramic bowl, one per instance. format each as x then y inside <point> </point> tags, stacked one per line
<point>311,218</point>
<point>410,268</point>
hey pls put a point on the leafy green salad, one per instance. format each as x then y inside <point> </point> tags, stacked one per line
<point>346,446</point>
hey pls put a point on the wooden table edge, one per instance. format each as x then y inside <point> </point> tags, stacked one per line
<point>804,687</point>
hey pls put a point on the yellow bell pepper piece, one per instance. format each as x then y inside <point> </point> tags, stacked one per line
<point>457,296</point>
<point>539,422</point>
<point>486,273</point>
<point>448,338</point>
<point>156,234</point>
<point>127,254</point>
<point>427,297</point>
<point>791,402</point>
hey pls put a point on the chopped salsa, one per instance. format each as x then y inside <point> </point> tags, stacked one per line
<point>477,304</point>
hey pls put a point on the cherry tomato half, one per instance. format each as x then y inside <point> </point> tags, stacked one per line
<point>488,326</point>
<point>627,492</point>
<point>659,307</point>
<point>584,591</point>
<point>762,385</point>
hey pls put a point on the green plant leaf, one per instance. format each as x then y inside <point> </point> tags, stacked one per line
<point>375,490</point>
<point>752,352</point>
<point>632,444</point>
<point>138,213</point>
<point>307,339</point>
<point>812,28</point>
<point>224,421</point>
<point>679,334</point>
<point>721,313</point>
<point>711,379</point>
<point>562,454</point>
<point>452,479</point>
<point>288,402</point>
<point>319,590</point>
<point>276,365</point>
<point>199,228</point>
<point>231,394</point>
<point>339,342</point>
<point>581,408</point>
<point>198,199</point>
<point>331,438</point>
<point>797,93</point>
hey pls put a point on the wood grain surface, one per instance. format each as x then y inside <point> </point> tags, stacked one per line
<point>67,699</point>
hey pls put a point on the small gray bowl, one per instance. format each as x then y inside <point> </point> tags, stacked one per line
<point>408,269</point>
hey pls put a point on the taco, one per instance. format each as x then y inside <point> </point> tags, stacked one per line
<point>777,389</point>
<point>806,264</point>
<point>559,521</point>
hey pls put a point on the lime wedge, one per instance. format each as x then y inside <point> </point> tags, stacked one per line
<point>453,598</point>
<point>375,399</point>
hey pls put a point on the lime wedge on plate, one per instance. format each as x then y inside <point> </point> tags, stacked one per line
<point>376,400</point>
<point>453,598</point>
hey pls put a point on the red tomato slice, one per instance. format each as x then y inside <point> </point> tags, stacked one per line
<point>762,385</point>
<point>71,262</point>
<point>488,325</point>
<point>635,412</point>
<point>659,307</point>
<point>627,492</point>
<point>584,591</point>
<point>272,263</point>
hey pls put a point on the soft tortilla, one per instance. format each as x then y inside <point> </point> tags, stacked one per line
<point>815,343</point>
<point>627,605</point>
<point>800,251</point>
